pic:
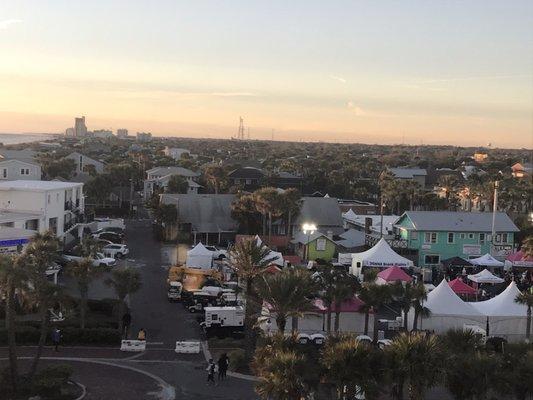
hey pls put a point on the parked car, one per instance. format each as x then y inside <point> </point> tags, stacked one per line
<point>115,250</point>
<point>99,261</point>
<point>111,236</point>
<point>103,242</point>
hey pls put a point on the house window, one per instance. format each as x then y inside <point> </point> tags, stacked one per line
<point>48,199</point>
<point>4,173</point>
<point>431,259</point>
<point>321,244</point>
<point>413,235</point>
<point>498,238</point>
<point>502,238</point>
<point>22,170</point>
<point>471,236</point>
<point>430,237</point>
<point>481,238</point>
<point>451,237</point>
<point>248,181</point>
<point>462,235</point>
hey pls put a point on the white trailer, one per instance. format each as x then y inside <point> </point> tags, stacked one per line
<point>223,321</point>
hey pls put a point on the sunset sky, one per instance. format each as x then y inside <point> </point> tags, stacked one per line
<point>453,72</point>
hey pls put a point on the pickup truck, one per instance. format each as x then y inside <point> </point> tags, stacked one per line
<point>99,261</point>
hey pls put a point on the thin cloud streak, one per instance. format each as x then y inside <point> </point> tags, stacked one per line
<point>474,78</point>
<point>8,22</point>
<point>338,79</point>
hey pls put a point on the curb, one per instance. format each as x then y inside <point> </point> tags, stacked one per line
<point>83,390</point>
<point>207,355</point>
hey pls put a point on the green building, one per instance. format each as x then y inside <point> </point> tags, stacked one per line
<point>434,236</point>
<point>315,245</point>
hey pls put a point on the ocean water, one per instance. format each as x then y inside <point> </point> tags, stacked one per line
<point>16,138</point>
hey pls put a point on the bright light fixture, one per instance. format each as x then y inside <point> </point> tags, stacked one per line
<point>309,228</point>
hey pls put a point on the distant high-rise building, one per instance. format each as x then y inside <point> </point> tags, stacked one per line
<point>70,132</point>
<point>144,136</point>
<point>80,129</point>
<point>122,133</point>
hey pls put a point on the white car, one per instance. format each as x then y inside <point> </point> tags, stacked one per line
<point>99,261</point>
<point>116,250</point>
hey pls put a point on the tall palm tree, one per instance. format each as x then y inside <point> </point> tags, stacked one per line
<point>39,254</point>
<point>291,207</point>
<point>125,281</point>
<point>526,299</point>
<point>418,297</point>
<point>215,176</point>
<point>83,272</point>
<point>249,259</point>
<point>11,278</point>
<point>337,286</point>
<point>377,296</point>
<point>288,294</point>
<point>415,360</point>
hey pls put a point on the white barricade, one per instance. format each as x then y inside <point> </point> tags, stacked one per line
<point>133,345</point>
<point>187,347</point>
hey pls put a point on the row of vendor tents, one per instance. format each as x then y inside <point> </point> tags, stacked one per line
<point>499,316</point>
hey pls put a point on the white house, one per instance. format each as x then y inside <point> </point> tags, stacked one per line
<point>159,177</point>
<point>41,205</point>
<point>12,170</point>
<point>175,152</point>
<point>83,161</point>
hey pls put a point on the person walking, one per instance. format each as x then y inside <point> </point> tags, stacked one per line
<point>141,335</point>
<point>126,323</point>
<point>223,364</point>
<point>56,338</point>
<point>211,370</point>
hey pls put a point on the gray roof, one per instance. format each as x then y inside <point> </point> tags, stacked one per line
<point>324,212</point>
<point>304,238</point>
<point>172,171</point>
<point>205,212</point>
<point>460,221</point>
<point>22,155</point>
<point>407,173</point>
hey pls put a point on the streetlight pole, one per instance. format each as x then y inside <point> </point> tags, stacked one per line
<point>308,229</point>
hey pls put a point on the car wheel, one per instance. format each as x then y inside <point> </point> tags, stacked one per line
<point>103,265</point>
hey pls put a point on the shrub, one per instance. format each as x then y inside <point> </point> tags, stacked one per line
<point>237,361</point>
<point>49,381</point>
<point>70,335</point>
<point>105,306</point>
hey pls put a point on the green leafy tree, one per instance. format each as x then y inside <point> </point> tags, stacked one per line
<point>125,282</point>
<point>215,177</point>
<point>177,184</point>
<point>83,273</point>
<point>98,188</point>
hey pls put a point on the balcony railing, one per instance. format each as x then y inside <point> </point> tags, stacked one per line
<point>395,243</point>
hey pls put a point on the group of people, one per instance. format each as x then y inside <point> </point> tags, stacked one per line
<point>220,367</point>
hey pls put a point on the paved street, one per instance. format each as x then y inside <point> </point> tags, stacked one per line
<point>157,373</point>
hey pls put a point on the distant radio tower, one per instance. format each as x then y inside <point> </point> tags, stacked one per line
<point>248,133</point>
<point>240,133</point>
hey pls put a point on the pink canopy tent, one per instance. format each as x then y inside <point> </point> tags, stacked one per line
<point>393,274</point>
<point>459,287</point>
<point>518,259</point>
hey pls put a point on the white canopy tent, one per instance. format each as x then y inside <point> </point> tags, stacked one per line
<point>485,276</point>
<point>199,257</point>
<point>447,311</point>
<point>381,255</point>
<point>486,261</point>
<point>506,317</point>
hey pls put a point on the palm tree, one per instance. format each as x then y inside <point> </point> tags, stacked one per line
<point>416,361</point>
<point>526,299</point>
<point>337,286</point>
<point>280,371</point>
<point>377,296</point>
<point>291,207</point>
<point>214,175</point>
<point>83,272</point>
<point>37,257</point>
<point>287,293</point>
<point>249,259</point>
<point>11,278</point>
<point>418,297</point>
<point>353,367</point>
<point>125,281</point>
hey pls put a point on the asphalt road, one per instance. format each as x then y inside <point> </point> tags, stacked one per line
<point>164,322</point>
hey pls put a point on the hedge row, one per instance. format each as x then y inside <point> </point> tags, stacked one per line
<point>28,335</point>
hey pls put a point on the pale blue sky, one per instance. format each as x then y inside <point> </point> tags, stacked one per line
<point>438,71</point>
